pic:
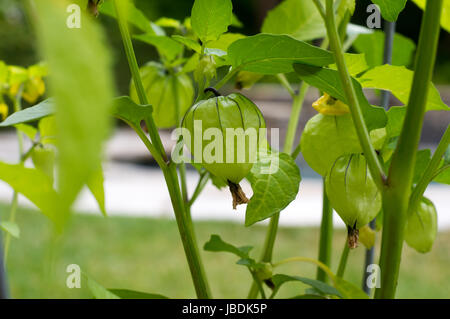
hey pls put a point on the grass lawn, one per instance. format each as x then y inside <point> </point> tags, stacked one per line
<point>146,255</point>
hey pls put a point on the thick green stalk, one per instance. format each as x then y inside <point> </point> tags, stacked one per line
<point>326,235</point>
<point>169,170</point>
<point>343,260</point>
<point>374,164</point>
<point>429,172</point>
<point>397,193</point>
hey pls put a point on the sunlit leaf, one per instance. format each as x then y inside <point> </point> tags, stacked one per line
<point>211,18</point>
<point>398,80</point>
<point>390,9</point>
<point>275,180</point>
<point>273,54</point>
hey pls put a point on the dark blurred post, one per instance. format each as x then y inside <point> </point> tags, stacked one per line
<point>3,279</point>
<point>389,31</point>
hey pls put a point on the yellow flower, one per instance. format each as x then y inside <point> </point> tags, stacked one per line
<point>328,105</point>
<point>3,111</point>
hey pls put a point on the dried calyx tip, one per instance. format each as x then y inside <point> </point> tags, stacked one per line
<point>352,237</point>
<point>238,194</point>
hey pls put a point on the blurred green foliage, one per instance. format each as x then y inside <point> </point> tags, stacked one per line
<point>111,249</point>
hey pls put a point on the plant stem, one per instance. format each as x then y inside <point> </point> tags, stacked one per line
<point>343,260</point>
<point>389,31</point>
<point>285,83</point>
<point>204,176</point>
<point>169,170</point>
<point>429,172</point>
<point>269,243</point>
<point>294,118</point>
<point>226,78</point>
<point>358,120</point>
<point>397,193</point>
<point>326,235</point>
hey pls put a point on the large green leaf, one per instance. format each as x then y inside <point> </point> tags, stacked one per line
<point>36,186</point>
<point>356,63</point>
<point>128,111</point>
<point>280,279</point>
<point>135,17</point>
<point>273,54</point>
<point>372,45</point>
<point>275,180</point>
<point>188,42</point>
<point>390,9</point>
<point>216,244</point>
<point>81,82</point>
<point>328,81</point>
<point>132,294</point>
<point>398,80</point>
<point>445,16</point>
<point>298,18</point>
<point>34,113</point>
<point>167,47</point>
<point>211,18</point>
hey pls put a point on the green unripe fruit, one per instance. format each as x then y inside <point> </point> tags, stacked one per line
<point>326,137</point>
<point>224,137</point>
<point>421,227</point>
<point>169,94</point>
<point>353,193</point>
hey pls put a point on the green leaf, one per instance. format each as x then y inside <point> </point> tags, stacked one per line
<point>275,180</point>
<point>273,54</point>
<point>216,244</point>
<point>396,116</point>
<point>132,294</point>
<point>328,81</point>
<point>11,228</point>
<point>349,290</point>
<point>37,187</point>
<point>44,159</point>
<point>445,16</point>
<point>100,292</point>
<point>211,18</point>
<point>280,279</point>
<point>224,41</point>
<point>398,80</point>
<point>298,18</point>
<point>28,130</point>
<point>168,23</point>
<point>308,296</point>
<point>34,113</point>
<point>188,42</point>
<point>390,9</point>
<point>95,185</point>
<point>48,130</point>
<point>356,63</point>
<point>81,81</point>
<point>135,17</point>
<point>423,157</point>
<point>372,45</point>
<point>130,112</point>
<point>444,176</point>
<point>167,47</point>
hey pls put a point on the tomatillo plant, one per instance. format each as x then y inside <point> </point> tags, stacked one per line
<point>366,155</point>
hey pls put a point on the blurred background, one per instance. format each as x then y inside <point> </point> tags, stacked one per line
<point>137,247</point>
